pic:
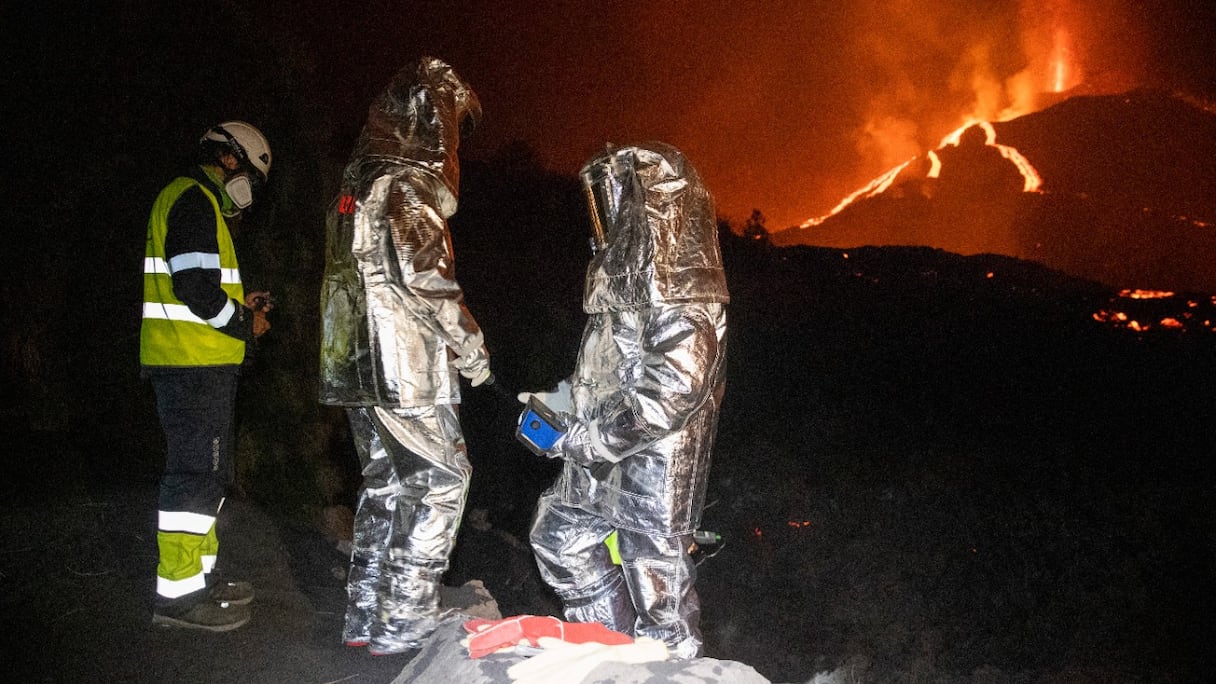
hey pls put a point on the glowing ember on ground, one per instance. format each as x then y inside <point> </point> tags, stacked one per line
<point>1170,312</point>
<point>1146,294</point>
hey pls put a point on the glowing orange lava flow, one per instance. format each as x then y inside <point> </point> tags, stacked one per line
<point>1031,181</point>
<point>874,187</point>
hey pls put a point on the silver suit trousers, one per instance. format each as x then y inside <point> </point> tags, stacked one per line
<point>415,480</point>
<point>649,594</point>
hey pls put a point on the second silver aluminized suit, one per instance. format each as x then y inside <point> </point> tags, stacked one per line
<point>395,332</point>
<point>644,401</point>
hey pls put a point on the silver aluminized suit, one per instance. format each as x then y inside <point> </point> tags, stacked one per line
<point>645,397</point>
<point>395,332</point>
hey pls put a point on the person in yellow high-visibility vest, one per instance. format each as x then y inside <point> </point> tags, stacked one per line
<point>197,319</point>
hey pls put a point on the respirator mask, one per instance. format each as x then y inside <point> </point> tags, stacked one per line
<point>240,189</point>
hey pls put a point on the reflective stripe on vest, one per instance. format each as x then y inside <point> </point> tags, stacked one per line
<point>171,335</point>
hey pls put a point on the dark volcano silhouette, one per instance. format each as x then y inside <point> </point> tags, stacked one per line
<point>1128,194</point>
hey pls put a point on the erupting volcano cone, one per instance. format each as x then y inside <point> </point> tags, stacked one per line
<point>1117,188</point>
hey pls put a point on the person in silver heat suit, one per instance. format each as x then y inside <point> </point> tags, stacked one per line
<point>395,331</point>
<point>642,404</point>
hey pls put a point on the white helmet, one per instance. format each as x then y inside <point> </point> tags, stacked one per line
<point>247,142</point>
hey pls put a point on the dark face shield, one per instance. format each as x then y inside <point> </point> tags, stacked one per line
<point>607,181</point>
<point>472,116</point>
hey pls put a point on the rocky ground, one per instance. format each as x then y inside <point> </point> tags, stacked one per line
<point>76,571</point>
<point>929,468</point>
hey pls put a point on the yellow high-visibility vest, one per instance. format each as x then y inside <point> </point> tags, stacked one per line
<point>172,336</point>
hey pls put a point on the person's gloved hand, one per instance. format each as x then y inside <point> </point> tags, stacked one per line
<point>557,399</point>
<point>562,662</point>
<point>260,324</point>
<point>259,301</point>
<point>474,365</point>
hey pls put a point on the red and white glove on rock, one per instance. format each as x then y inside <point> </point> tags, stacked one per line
<point>489,636</point>
<point>561,662</point>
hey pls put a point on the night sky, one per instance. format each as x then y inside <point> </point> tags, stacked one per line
<point>784,105</point>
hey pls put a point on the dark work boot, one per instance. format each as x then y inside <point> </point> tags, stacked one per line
<point>197,611</point>
<point>228,591</point>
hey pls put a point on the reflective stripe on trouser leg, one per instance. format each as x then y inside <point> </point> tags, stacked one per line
<point>570,553</point>
<point>426,449</point>
<point>372,526</point>
<point>210,550</point>
<point>660,575</point>
<point>196,414</point>
<point>180,539</point>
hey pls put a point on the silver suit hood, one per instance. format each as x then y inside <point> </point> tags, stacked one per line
<point>392,312</point>
<point>650,373</point>
<point>655,229</point>
<point>417,121</point>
